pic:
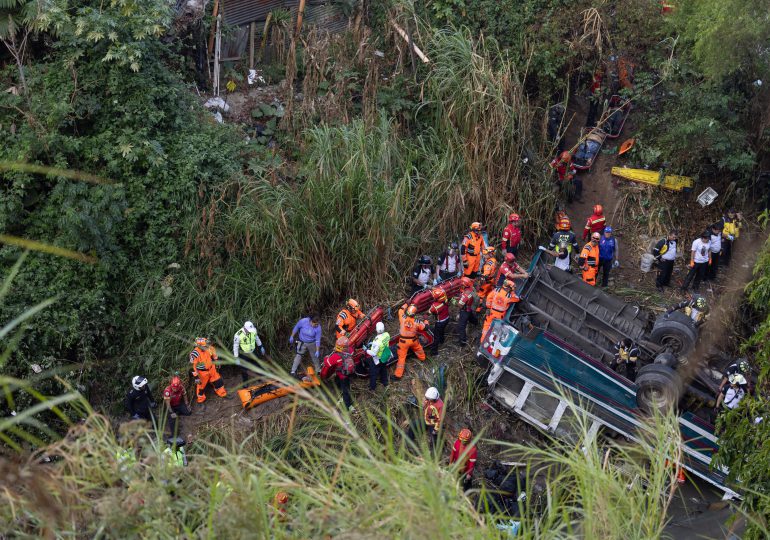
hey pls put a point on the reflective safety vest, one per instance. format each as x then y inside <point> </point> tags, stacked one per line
<point>175,459</point>
<point>731,227</point>
<point>248,341</point>
<point>432,412</point>
<point>695,314</point>
<point>382,341</point>
<point>500,299</point>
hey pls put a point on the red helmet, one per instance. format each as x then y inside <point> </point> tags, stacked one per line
<point>514,217</point>
<point>563,224</point>
<point>411,310</point>
<point>510,258</point>
<point>342,343</point>
<point>176,381</point>
<point>465,435</point>
<point>281,497</point>
<point>466,282</point>
<point>439,294</point>
<point>565,156</point>
<point>598,210</point>
<point>508,284</point>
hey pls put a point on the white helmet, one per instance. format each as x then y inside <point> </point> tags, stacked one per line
<point>431,393</point>
<point>138,382</point>
<point>379,327</point>
<point>737,378</point>
<point>249,327</point>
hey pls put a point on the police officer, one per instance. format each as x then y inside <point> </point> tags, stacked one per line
<point>627,354</point>
<point>246,343</point>
<point>665,253</point>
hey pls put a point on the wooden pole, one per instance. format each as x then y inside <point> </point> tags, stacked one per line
<point>264,36</point>
<point>217,53</point>
<point>300,15</point>
<point>252,31</point>
<point>411,44</point>
<point>214,14</point>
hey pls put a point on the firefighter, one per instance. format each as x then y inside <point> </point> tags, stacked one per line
<point>595,222</point>
<point>626,353</point>
<point>378,355</point>
<point>348,318</point>
<point>440,309</point>
<point>466,303</point>
<point>280,506</point>
<point>665,253</point>
<point>203,358</point>
<point>731,230</point>
<point>176,402</point>
<point>407,337</point>
<point>510,270</point>
<point>497,304</point>
<point>433,414</point>
<point>563,243</point>
<point>471,249</point>
<point>694,307</point>
<point>449,262</point>
<point>589,260</point>
<point>512,235</point>
<point>139,402</point>
<point>422,274</point>
<point>488,275</point>
<point>340,362</point>
<point>465,454</point>
<point>567,174</point>
<point>247,342</point>
<point>700,259</point>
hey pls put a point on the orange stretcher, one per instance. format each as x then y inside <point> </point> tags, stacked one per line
<point>260,393</point>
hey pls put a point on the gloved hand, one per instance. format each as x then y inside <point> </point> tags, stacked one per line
<point>317,353</point>
<point>730,237</point>
<point>616,264</point>
<point>262,350</point>
<point>197,382</point>
<point>541,248</point>
<point>291,340</point>
<point>173,415</point>
<point>435,282</point>
<point>237,361</point>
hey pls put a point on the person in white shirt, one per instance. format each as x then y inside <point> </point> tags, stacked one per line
<point>665,254</point>
<point>731,396</point>
<point>716,250</point>
<point>700,257</point>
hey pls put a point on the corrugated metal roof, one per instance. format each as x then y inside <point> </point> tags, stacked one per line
<point>239,12</point>
<point>324,13</point>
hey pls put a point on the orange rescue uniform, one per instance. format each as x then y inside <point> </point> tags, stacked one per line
<point>488,276</point>
<point>206,372</point>
<point>497,304</point>
<point>590,259</point>
<point>473,245</point>
<point>407,340</point>
<point>347,320</point>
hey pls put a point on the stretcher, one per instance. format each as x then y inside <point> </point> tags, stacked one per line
<point>588,149</point>
<point>617,112</point>
<point>260,393</point>
<point>671,182</point>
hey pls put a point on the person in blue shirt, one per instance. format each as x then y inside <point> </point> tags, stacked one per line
<point>308,334</point>
<point>608,255</point>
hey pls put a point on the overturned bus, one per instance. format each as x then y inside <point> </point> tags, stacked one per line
<point>555,345</point>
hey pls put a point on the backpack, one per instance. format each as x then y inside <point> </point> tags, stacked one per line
<point>347,366</point>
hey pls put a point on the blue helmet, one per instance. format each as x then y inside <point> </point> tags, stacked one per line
<point>608,229</point>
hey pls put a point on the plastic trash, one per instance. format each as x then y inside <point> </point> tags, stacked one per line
<point>217,103</point>
<point>647,260</point>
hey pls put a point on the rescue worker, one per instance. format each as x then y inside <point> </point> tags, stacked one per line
<point>466,303</point>
<point>498,303</point>
<point>139,402</point>
<point>280,506</point>
<point>308,332</point>
<point>433,414</point>
<point>341,363</point>
<point>377,357</point>
<point>731,230</point>
<point>176,402</point>
<point>626,353</point>
<point>595,97</point>
<point>407,337</point>
<point>203,358</point>
<point>563,243</point>
<point>440,309</point>
<point>730,396</point>
<point>449,262</point>
<point>700,258</point>
<point>568,179</point>
<point>589,260</point>
<point>246,342</point>
<point>665,253</point>
<point>740,368</point>
<point>595,222</point>
<point>174,454</point>
<point>348,318</point>
<point>512,235</point>
<point>465,454</point>
<point>609,250</point>
<point>471,249</point>
<point>510,270</point>
<point>694,307</point>
<point>422,274</point>
<point>488,275</point>
<point>715,245</point>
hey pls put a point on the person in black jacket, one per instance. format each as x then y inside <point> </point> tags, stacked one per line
<point>665,253</point>
<point>139,402</point>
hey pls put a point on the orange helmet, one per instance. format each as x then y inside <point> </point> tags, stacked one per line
<point>565,156</point>
<point>411,310</point>
<point>476,226</point>
<point>510,258</point>
<point>598,210</point>
<point>465,435</point>
<point>341,343</point>
<point>176,381</point>
<point>508,284</point>
<point>489,250</point>
<point>514,217</point>
<point>202,342</point>
<point>352,304</point>
<point>563,224</point>
<point>281,497</point>
<point>466,282</point>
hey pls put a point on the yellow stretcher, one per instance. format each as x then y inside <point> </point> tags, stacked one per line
<point>655,178</point>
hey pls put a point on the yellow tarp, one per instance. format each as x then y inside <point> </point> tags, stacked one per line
<point>654,178</point>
